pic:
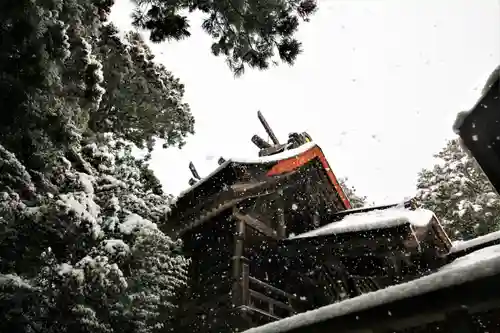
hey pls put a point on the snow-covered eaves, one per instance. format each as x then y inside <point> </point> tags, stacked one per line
<point>475,242</point>
<point>477,265</point>
<point>258,160</point>
<point>376,219</point>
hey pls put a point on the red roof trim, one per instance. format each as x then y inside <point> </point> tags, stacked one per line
<point>293,163</point>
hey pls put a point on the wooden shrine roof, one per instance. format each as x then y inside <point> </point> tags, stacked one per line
<point>236,174</point>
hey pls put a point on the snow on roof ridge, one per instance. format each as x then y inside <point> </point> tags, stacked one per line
<point>289,153</point>
<point>375,219</point>
<point>448,275</point>
<point>264,159</point>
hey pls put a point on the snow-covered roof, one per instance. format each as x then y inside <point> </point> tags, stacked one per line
<point>464,245</point>
<point>479,264</point>
<point>264,159</point>
<point>376,219</point>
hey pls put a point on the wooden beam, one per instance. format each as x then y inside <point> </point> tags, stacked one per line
<point>255,224</point>
<point>239,247</point>
<point>359,246</point>
<point>245,284</point>
<point>281,215</point>
<point>247,309</point>
<point>442,238</point>
<point>271,288</point>
<point>271,301</point>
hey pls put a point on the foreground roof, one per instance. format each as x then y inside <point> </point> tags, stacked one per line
<point>475,266</point>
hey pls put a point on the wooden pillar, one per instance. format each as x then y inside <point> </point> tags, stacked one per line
<point>281,215</point>
<point>245,283</point>
<point>239,264</point>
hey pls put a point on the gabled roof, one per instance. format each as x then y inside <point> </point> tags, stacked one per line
<point>275,165</point>
<point>260,160</point>
<point>219,184</point>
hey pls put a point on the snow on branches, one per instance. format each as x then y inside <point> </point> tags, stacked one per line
<point>459,193</point>
<point>92,248</point>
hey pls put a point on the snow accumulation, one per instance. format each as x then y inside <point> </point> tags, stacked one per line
<point>116,246</point>
<point>376,219</point>
<point>463,245</point>
<point>490,252</point>
<point>264,159</point>
<point>82,204</point>
<point>66,269</point>
<point>476,265</point>
<point>13,280</point>
<point>86,181</point>
<point>277,157</point>
<point>135,222</point>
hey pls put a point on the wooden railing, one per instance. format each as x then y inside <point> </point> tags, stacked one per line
<point>264,299</point>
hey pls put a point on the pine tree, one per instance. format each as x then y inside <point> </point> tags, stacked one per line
<point>91,258</point>
<point>50,76</point>
<point>459,193</point>
<point>80,249</point>
<point>143,101</point>
<point>355,200</point>
<point>248,33</point>
<point>66,73</point>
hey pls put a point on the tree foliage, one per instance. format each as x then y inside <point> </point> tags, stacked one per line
<point>356,200</point>
<point>65,74</point>
<point>459,193</point>
<point>80,249</point>
<point>250,33</point>
<point>91,257</point>
<point>143,100</point>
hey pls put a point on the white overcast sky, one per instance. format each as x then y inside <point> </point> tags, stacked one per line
<point>377,87</point>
